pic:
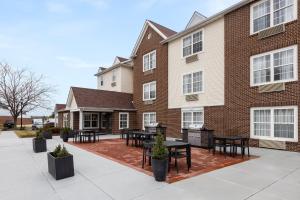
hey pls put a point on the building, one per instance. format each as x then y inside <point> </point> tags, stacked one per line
<point>235,72</point>
<point>196,75</point>
<point>118,77</point>
<point>57,108</point>
<point>150,75</point>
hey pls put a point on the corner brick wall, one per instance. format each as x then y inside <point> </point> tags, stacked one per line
<point>160,75</point>
<point>239,96</point>
<point>76,120</point>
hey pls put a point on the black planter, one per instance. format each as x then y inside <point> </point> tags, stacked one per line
<point>39,145</point>
<point>65,137</point>
<point>160,169</point>
<point>60,168</point>
<point>47,135</point>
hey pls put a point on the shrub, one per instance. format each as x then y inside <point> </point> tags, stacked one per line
<point>160,151</point>
<point>65,130</point>
<point>56,150</point>
<point>60,152</point>
<point>55,130</point>
<point>63,153</point>
<point>39,135</point>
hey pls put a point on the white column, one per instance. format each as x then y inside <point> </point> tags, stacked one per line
<point>71,120</point>
<point>80,120</point>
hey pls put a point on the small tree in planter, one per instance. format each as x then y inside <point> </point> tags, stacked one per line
<point>65,134</point>
<point>160,159</point>
<point>39,143</point>
<point>47,134</point>
<point>60,163</point>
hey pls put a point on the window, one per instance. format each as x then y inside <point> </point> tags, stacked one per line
<point>149,91</point>
<point>101,80</point>
<point>192,118</point>
<point>114,75</point>
<point>273,67</point>
<point>123,120</point>
<point>149,118</point>
<point>269,13</point>
<point>192,44</point>
<point>275,123</point>
<point>192,83</point>
<point>90,120</point>
<point>149,61</point>
<point>66,120</point>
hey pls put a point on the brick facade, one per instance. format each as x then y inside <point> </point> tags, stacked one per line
<point>159,74</point>
<point>25,121</point>
<point>239,96</point>
<point>115,121</point>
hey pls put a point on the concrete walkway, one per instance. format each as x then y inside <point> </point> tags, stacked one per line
<point>23,175</point>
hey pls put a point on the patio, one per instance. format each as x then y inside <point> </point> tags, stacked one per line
<point>274,175</point>
<point>203,161</point>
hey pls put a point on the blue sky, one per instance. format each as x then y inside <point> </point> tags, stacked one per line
<point>67,40</point>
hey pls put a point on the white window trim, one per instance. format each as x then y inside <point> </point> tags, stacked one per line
<point>84,127</point>
<point>154,51</point>
<point>66,120</point>
<point>148,113</point>
<point>295,66</point>
<point>295,139</point>
<point>149,91</point>
<point>123,113</point>
<point>191,34</point>
<point>196,109</point>
<point>200,92</point>
<point>295,14</point>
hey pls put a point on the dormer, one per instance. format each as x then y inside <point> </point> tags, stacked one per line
<point>195,19</point>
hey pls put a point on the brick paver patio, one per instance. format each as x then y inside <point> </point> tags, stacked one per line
<point>203,161</point>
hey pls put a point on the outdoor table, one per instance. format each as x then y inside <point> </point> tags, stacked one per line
<point>134,134</point>
<point>227,140</point>
<point>88,133</point>
<point>178,144</point>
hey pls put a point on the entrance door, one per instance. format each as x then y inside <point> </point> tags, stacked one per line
<point>106,121</point>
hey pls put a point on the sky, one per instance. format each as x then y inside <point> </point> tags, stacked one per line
<point>67,40</point>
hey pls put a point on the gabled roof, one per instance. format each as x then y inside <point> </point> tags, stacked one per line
<point>195,19</point>
<point>94,98</point>
<point>121,59</point>
<point>207,21</point>
<point>163,31</point>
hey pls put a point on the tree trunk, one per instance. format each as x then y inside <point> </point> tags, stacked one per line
<point>15,121</point>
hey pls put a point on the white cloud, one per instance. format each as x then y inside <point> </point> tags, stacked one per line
<point>75,63</point>
<point>57,7</point>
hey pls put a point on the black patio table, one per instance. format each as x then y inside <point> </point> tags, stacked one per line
<point>227,141</point>
<point>136,134</point>
<point>87,133</point>
<point>179,145</point>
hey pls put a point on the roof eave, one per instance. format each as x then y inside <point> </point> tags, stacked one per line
<point>207,21</point>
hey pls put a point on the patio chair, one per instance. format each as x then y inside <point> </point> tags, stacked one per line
<point>147,146</point>
<point>242,144</point>
<point>223,144</point>
<point>178,153</point>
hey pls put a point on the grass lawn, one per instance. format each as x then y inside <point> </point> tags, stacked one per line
<point>25,133</point>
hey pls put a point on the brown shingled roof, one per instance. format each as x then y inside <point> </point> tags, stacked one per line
<point>121,59</point>
<point>86,97</point>
<point>60,106</point>
<point>166,31</point>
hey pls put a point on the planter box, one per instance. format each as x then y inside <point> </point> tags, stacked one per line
<point>160,169</point>
<point>60,168</point>
<point>47,135</point>
<point>39,145</point>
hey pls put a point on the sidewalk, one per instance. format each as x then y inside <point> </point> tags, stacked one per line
<point>24,175</point>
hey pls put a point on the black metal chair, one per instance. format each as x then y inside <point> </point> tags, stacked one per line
<point>178,153</point>
<point>242,144</point>
<point>223,144</point>
<point>147,152</point>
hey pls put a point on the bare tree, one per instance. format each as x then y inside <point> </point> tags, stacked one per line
<point>21,91</point>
